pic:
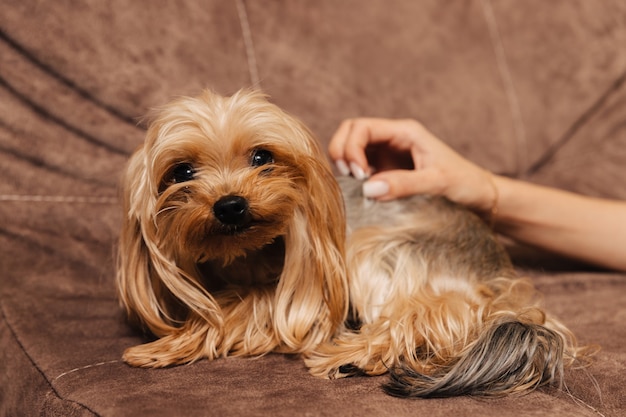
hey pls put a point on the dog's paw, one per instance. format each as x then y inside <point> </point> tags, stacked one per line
<point>138,360</point>
<point>142,357</point>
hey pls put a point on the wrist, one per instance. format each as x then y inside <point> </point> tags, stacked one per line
<point>495,200</point>
<point>488,204</point>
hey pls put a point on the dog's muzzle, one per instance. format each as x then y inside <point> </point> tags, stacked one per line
<point>233,212</point>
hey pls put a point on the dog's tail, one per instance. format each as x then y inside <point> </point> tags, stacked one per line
<point>510,356</point>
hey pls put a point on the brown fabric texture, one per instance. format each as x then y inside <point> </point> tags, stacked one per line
<point>532,89</point>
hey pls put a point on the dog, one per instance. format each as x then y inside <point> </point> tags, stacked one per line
<point>233,234</point>
<point>237,240</point>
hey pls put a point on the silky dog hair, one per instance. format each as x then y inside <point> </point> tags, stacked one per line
<point>439,306</point>
<point>233,235</point>
<point>234,243</point>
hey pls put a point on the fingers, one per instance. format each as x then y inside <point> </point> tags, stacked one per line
<point>347,148</point>
<point>348,144</point>
<point>470,186</point>
<point>429,160</point>
<point>394,184</point>
<point>433,167</point>
<point>336,148</point>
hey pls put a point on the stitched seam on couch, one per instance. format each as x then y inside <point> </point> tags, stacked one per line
<point>81,368</point>
<point>72,199</point>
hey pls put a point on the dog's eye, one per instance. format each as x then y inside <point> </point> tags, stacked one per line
<point>261,157</point>
<point>182,172</point>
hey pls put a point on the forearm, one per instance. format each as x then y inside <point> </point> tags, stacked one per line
<point>585,228</point>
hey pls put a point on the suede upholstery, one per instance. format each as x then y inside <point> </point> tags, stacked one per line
<point>531,89</point>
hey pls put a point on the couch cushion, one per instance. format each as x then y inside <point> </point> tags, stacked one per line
<point>62,337</point>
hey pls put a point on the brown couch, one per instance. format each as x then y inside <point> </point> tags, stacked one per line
<point>531,89</point>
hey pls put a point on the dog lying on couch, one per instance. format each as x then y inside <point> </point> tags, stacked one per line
<point>238,241</point>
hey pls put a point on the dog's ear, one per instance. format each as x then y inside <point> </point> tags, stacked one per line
<point>156,293</point>
<point>327,232</point>
<point>312,295</point>
<point>139,293</point>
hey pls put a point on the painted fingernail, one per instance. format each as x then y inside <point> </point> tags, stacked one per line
<point>342,167</point>
<point>357,171</point>
<point>374,189</point>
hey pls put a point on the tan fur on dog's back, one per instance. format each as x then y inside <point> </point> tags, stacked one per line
<point>440,305</point>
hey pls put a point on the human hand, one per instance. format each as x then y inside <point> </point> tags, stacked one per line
<point>402,158</point>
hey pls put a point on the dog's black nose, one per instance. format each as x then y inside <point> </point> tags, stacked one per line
<point>232,210</point>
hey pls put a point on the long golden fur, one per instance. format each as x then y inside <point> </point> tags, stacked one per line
<point>439,305</point>
<point>234,243</point>
<point>270,275</point>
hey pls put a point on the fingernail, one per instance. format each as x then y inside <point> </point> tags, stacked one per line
<point>374,189</point>
<point>342,167</point>
<point>357,171</point>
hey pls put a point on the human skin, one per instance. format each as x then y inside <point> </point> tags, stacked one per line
<point>401,158</point>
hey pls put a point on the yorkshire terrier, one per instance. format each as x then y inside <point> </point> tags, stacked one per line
<point>233,236</point>
<point>235,242</point>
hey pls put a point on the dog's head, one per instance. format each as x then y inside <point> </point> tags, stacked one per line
<point>226,193</point>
